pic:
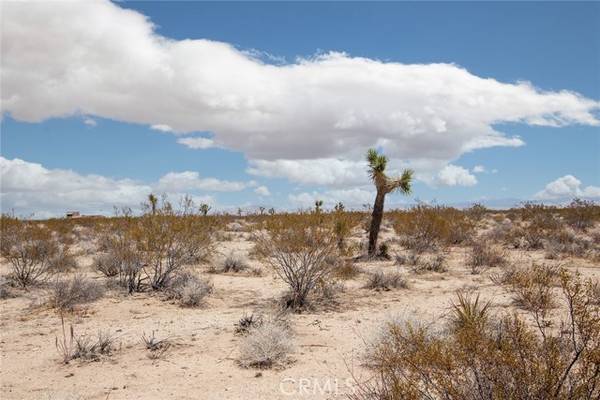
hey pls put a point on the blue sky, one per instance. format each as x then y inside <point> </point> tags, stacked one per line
<point>116,156</point>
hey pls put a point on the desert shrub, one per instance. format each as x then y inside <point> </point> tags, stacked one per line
<point>421,263</point>
<point>476,212</point>
<point>582,214</point>
<point>84,347</point>
<point>532,288</point>
<point>346,270</point>
<point>266,345</point>
<point>425,228</point>
<point>485,356</point>
<point>157,348</point>
<point>150,250</point>
<point>386,281</point>
<point>248,322</point>
<point>233,263</point>
<point>63,261</point>
<point>189,289</point>
<point>107,264</point>
<point>485,255</point>
<point>68,293</point>
<point>168,240</point>
<point>343,223</point>
<point>29,248</point>
<point>383,252</point>
<point>298,249</point>
<point>6,291</point>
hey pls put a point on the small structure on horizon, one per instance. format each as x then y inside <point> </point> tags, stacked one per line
<point>72,214</point>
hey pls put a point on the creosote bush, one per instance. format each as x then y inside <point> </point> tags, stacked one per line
<point>426,228</point>
<point>486,356</point>
<point>29,248</point>
<point>147,252</point>
<point>486,255</point>
<point>65,294</point>
<point>299,249</point>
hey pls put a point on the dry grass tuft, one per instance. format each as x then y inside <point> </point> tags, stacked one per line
<point>266,345</point>
<point>386,281</point>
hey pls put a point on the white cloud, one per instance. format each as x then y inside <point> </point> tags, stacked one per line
<point>191,180</point>
<point>32,188</point>
<point>453,175</point>
<point>90,121</point>
<point>329,171</point>
<point>567,186</point>
<point>161,127</point>
<point>352,198</point>
<point>96,58</point>
<point>196,142</point>
<point>479,169</point>
<point>262,191</point>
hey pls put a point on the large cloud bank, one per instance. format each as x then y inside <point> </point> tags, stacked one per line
<point>99,59</point>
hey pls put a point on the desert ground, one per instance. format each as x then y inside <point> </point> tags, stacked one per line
<point>202,360</point>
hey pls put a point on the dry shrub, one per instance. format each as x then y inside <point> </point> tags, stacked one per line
<point>157,348</point>
<point>486,255</point>
<point>426,228</point>
<point>83,347</point>
<point>422,263</point>
<point>68,293</point>
<point>63,261</point>
<point>247,323</point>
<point>346,269</point>
<point>476,212</point>
<point>266,345</point>
<point>29,248</point>
<point>149,251</point>
<point>482,356</point>
<point>386,281</point>
<point>6,291</point>
<point>532,288</point>
<point>189,289</point>
<point>343,223</point>
<point>233,263</point>
<point>582,214</point>
<point>299,249</point>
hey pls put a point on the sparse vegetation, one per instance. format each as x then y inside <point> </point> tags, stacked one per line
<point>298,250</point>
<point>83,347</point>
<point>486,255</point>
<point>157,348</point>
<point>266,345</point>
<point>29,248</point>
<point>386,281</point>
<point>480,358</point>
<point>189,289</point>
<point>65,294</point>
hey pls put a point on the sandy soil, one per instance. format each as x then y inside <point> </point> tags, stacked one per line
<point>202,363</point>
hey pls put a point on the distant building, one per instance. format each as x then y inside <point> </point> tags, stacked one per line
<point>73,214</point>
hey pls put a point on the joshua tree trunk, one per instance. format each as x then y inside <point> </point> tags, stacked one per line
<point>376,221</point>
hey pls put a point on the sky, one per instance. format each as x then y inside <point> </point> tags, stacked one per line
<point>275,104</point>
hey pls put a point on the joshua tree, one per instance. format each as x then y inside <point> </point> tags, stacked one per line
<point>384,185</point>
<point>153,202</point>
<point>339,207</point>
<point>261,209</point>
<point>318,205</point>
<point>204,209</point>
